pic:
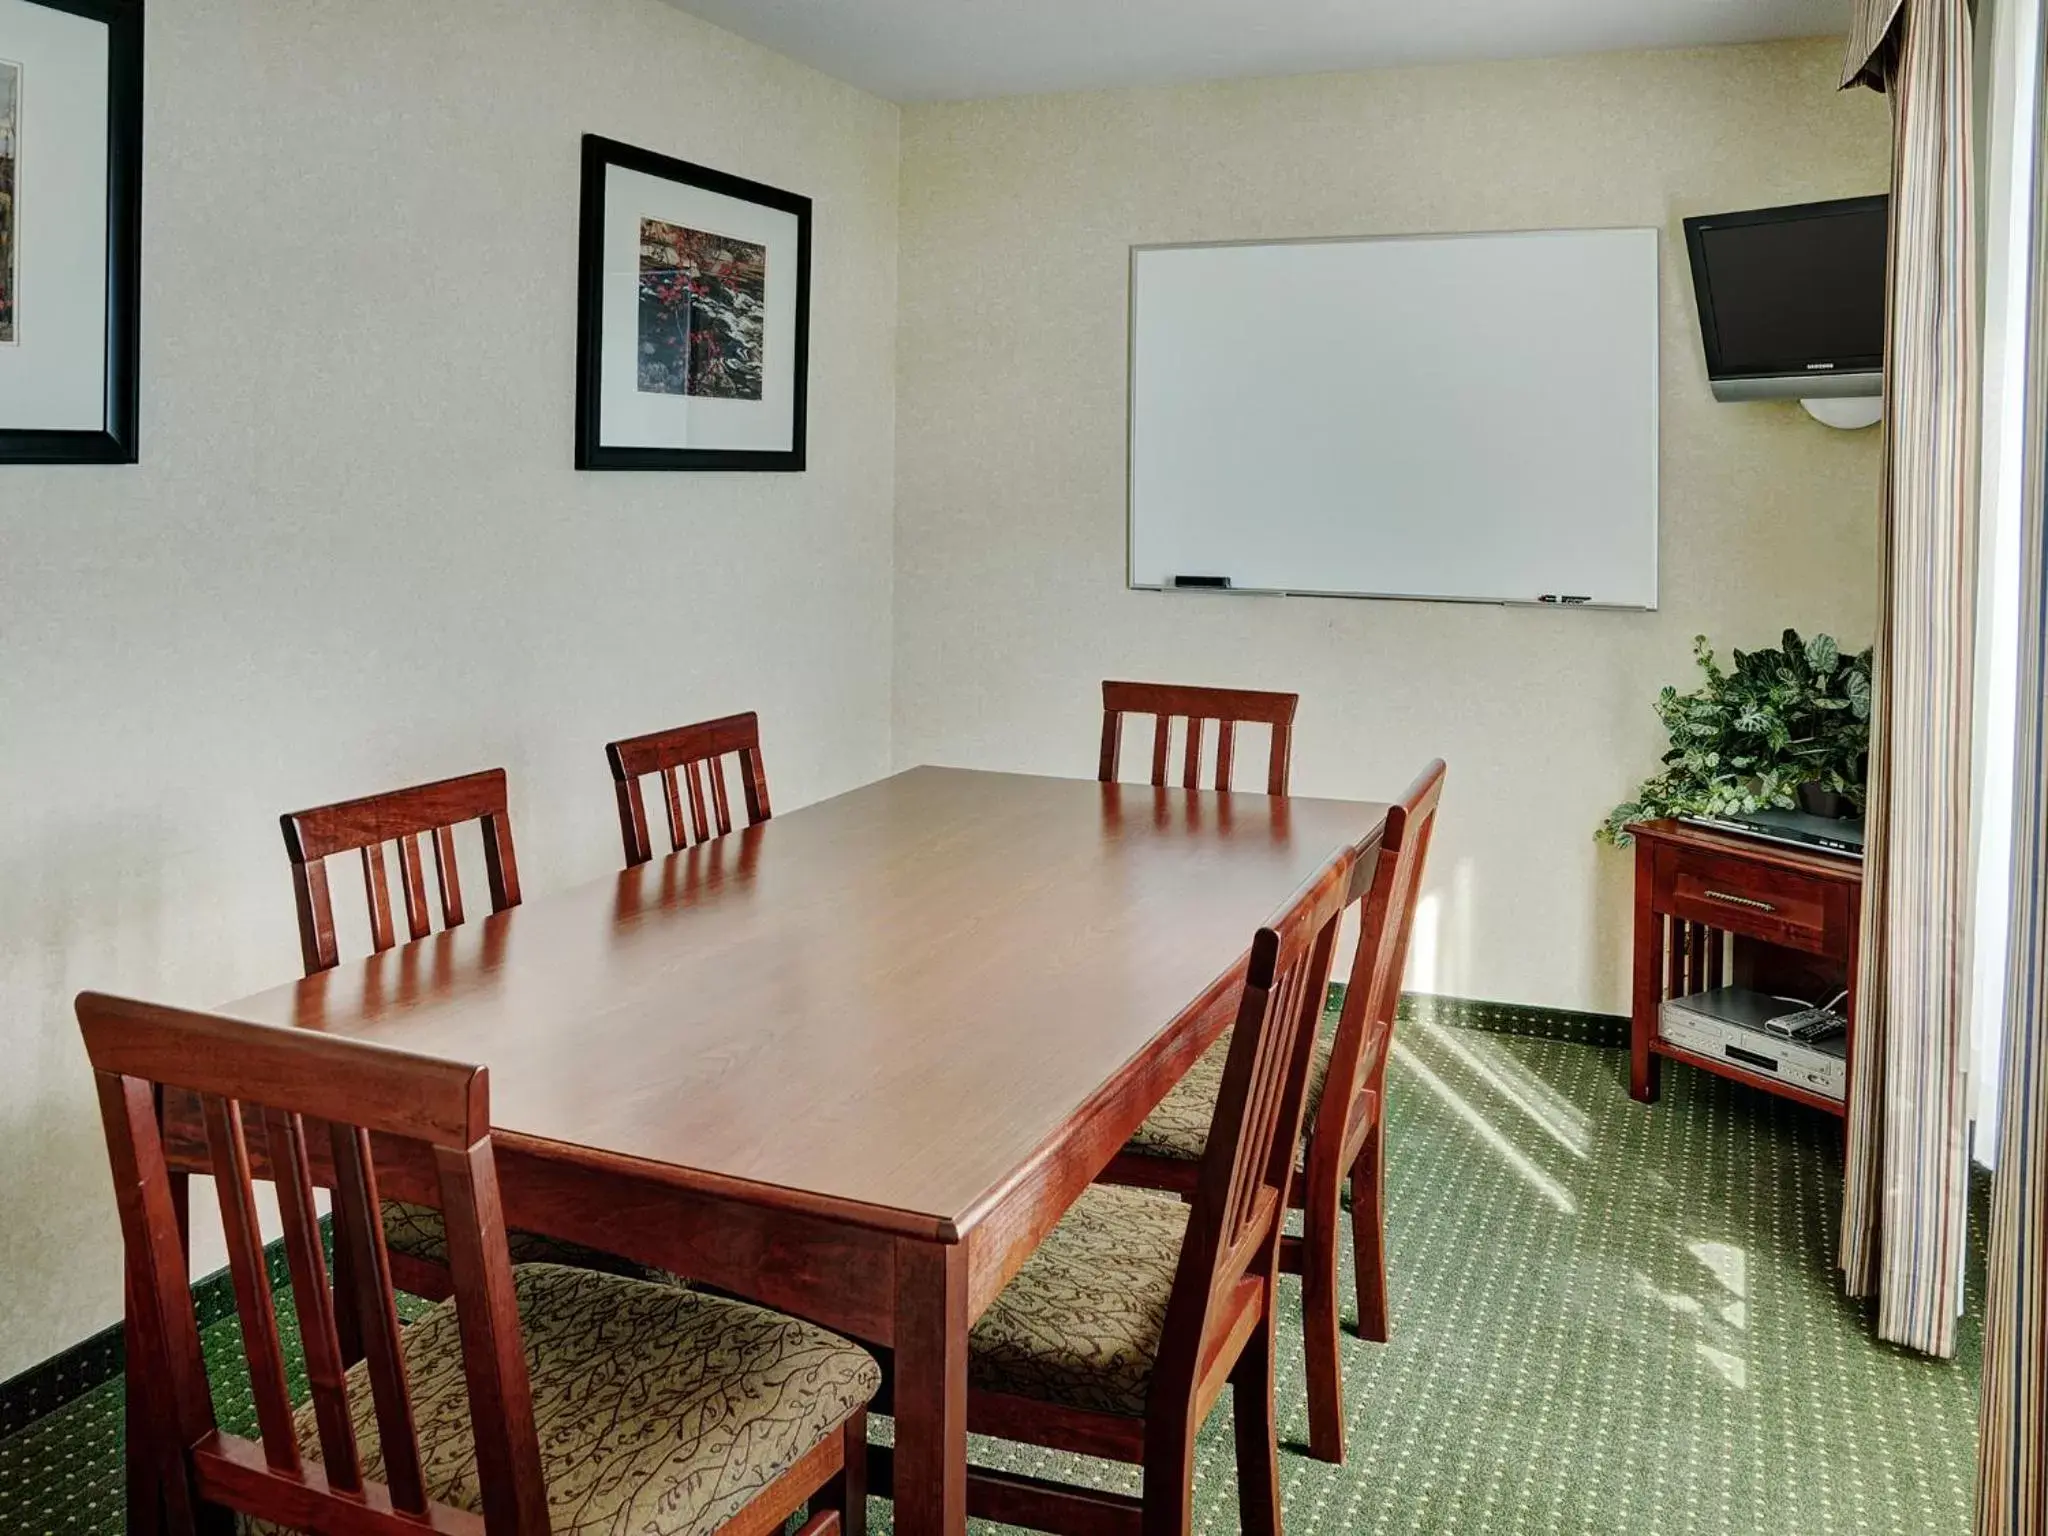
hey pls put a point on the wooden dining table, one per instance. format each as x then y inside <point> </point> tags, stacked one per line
<point>853,1062</point>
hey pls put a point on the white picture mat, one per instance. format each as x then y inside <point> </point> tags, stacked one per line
<point>628,418</point>
<point>54,376</point>
<point>1459,416</point>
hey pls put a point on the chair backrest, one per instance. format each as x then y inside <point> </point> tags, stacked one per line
<point>1240,1200</point>
<point>1228,707</point>
<point>1387,884</point>
<point>303,1107</point>
<point>689,754</point>
<point>402,816</point>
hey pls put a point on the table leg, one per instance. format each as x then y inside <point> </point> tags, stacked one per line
<point>931,1389</point>
<point>1649,980</point>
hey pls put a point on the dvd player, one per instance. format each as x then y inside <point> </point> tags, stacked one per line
<point>1794,828</point>
<point>1727,1024</point>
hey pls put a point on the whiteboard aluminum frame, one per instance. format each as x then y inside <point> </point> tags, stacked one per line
<point>1132,584</point>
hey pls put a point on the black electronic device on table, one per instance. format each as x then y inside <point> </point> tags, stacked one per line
<point>1797,828</point>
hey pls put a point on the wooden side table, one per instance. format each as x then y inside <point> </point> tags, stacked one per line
<point>1715,909</point>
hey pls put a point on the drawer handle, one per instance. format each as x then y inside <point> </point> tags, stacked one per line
<point>1741,901</point>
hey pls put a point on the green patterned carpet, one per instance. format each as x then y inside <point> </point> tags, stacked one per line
<point>1607,1319</point>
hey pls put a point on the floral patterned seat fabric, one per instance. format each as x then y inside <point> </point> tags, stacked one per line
<point>1179,1128</point>
<point>661,1412</point>
<point>416,1231</point>
<point>1079,1324</point>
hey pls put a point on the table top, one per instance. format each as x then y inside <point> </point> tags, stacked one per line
<point>888,1001</point>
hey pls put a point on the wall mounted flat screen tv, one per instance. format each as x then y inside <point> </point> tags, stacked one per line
<point>1792,299</point>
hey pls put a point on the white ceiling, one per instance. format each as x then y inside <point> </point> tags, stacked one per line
<point>930,50</point>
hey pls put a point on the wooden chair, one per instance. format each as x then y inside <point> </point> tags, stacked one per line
<point>1118,1334</point>
<point>419,1246</point>
<point>1346,1115</point>
<point>401,816</point>
<point>1228,707</point>
<point>688,750</point>
<point>711,1413</point>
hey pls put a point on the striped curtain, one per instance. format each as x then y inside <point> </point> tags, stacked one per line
<point>2012,1445</point>
<point>1906,1172</point>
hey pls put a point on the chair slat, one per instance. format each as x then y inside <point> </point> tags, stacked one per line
<point>1191,765</point>
<point>1281,759</point>
<point>720,807</point>
<point>633,820</point>
<point>251,1277</point>
<point>1112,745</point>
<point>1242,1170</point>
<point>699,827</point>
<point>501,867</point>
<point>1162,743</point>
<point>378,889</point>
<point>673,799</point>
<point>316,917</point>
<point>348,1321</point>
<point>1300,1040</point>
<point>1261,1110</point>
<point>312,1299</point>
<point>448,876</point>
<point>357,1222</point>
<point>1226,746</point>
<point>413,881</point>
<point>754,778</point>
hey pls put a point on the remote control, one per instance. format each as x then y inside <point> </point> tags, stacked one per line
<point>1808,1025</point>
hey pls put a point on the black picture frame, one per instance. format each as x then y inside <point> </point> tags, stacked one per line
<point>599,154</point>
<point>116,442</point>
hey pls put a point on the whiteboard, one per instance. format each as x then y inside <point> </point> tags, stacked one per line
<point>1438,416</point>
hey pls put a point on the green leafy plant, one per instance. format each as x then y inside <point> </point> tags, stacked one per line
<point>1752,734</point>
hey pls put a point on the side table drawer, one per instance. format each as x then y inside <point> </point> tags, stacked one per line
<point>1779,906</point>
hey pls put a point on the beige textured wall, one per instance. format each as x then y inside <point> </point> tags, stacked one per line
<point>1010,604</point>
<point>355,553</point>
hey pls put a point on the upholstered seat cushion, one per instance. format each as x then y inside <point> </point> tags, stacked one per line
<point>1179,1128</point>
<point>661,1412</point>
<point>416,1232</point>
<point>1079,1324</point>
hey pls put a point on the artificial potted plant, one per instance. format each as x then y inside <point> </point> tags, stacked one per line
<point>1783,727</point>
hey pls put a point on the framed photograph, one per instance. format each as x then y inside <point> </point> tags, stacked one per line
<point>693,323</point>
<point>70,229</point>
